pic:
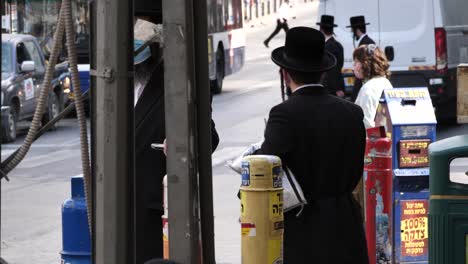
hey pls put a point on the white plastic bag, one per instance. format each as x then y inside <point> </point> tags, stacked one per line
<point>293,196</point>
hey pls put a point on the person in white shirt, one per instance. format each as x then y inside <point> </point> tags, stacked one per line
<point>370,66</point>
<point>281,22</point>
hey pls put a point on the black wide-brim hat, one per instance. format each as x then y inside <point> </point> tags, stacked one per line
<point>304,51</point>
<point>149,8</point>
<point>357,21</point>
<point>327,21</point>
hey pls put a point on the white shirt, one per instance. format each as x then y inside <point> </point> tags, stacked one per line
<point>283,12</point>
<point>306,85</point>
<point>140,81</point>
<point>369,96</point>
<point>138,90</point>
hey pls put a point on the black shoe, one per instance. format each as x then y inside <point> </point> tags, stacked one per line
<point>265,43</point>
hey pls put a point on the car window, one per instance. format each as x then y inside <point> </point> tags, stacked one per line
<point>35,55</point>
<point>6,58</point>
<point>21,54</point>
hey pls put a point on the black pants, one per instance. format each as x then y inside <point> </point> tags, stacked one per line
<point>279,25</point>
<point>149,242</point>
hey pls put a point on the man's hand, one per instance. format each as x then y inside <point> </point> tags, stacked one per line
<point>340,93</point>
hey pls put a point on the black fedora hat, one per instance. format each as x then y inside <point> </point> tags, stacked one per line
<point>357,21</point>
<point>304,51</point>
<point>327,21</point>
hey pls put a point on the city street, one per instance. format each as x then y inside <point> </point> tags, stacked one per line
<point>31,200</point>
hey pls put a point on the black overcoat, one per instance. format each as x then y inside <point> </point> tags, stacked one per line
<point>306,132</point>
<point>150,167</point>
<point>366,40</point>
<point>333,79</point>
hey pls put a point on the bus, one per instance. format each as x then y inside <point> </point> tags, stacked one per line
<point>226,39</point>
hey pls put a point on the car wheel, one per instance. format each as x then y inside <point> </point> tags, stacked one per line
<point>9,130</point>
<point>53,110</point>
<point>217,84</point>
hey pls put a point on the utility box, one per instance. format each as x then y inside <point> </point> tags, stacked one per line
<point>408,117</point>
<point>448,218</point>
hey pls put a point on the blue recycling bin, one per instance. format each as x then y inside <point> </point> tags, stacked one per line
<point>409,119</point>
<point>76,237</point>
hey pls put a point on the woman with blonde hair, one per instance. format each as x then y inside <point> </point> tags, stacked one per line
<point>371,66</point>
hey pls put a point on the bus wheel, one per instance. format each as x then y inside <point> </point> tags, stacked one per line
<point>217,84</point>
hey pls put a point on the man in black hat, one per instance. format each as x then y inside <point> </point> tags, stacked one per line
<point>333,79</point>
<point>306,132</point>
<point>150,164</point>
<point>358,27</point>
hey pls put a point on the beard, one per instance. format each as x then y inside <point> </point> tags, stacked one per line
<point>355,36</point>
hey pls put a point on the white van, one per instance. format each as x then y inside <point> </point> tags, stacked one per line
<point>428,39</point>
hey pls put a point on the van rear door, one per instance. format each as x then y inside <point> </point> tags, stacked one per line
<point>408,28</point>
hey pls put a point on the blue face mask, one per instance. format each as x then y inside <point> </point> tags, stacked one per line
<point>143,55</point>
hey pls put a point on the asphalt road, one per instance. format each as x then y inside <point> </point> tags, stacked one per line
<point>31,201</point>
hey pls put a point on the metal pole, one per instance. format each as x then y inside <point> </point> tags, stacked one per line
<point>180,93</point>
<point>112,39</point>
<point>204,132</point>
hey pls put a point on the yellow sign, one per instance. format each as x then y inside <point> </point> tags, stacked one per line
<point>408,93</point>
<point>276,204</point>
<point>414,228</point>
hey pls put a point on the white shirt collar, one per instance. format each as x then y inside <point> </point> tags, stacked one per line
<point>328,37</point>
<point>359,40</point>
<point>306,85</point>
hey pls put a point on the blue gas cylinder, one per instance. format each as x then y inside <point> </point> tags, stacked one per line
<point>75,231</point>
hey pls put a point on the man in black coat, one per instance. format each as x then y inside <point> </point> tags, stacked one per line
<point>306,132</point>
<point>358,27</point>
<point>333,79</point>
<point>150,164</point>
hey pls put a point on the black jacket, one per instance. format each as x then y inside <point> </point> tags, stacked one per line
<point>150,167</point>
<point>333,79</point>
<point>150,164</point>
<point>366,40</point>
<point>306,132</point>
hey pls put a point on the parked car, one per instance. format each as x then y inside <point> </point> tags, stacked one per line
<point>23,71</point>
<point>424,40</point>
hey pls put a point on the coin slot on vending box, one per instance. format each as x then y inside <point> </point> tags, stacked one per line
<point>414,153</point>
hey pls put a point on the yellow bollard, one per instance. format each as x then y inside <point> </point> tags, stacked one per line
<point>262,221</point>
